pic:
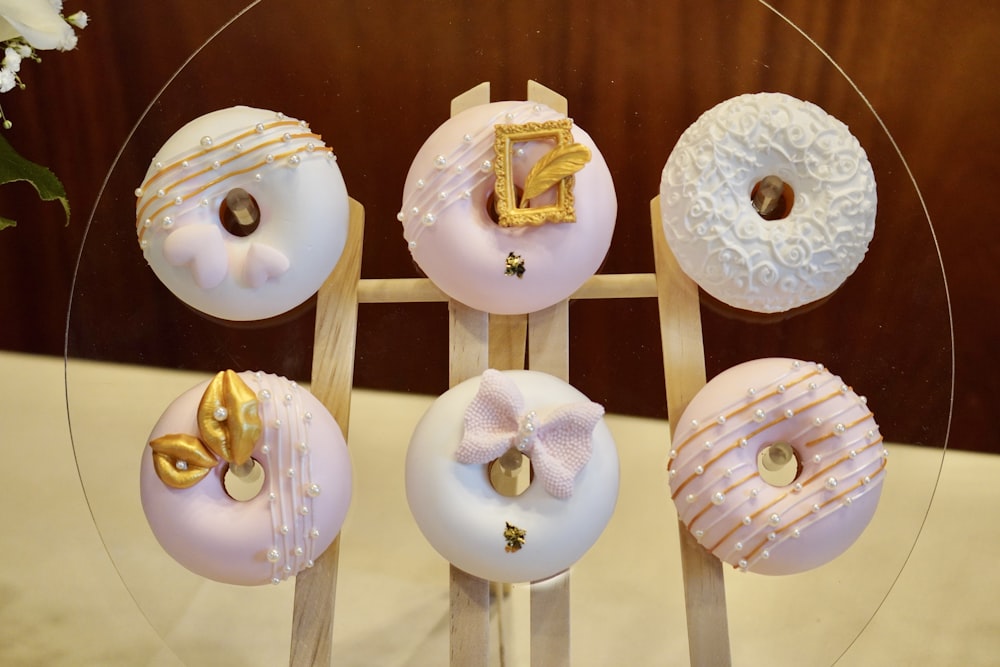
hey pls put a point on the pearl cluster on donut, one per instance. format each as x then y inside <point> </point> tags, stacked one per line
<point>293,178</point>
<point>717,235</point>
<point>291,521</point>
<point>718,489</point>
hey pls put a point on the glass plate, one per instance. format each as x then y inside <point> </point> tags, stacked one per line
<point>376,81</point>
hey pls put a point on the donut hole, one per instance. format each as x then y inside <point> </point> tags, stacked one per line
<point>772,198</point>
<point>491,203</point>
<point>239,213</point>
<point>778,463</point>
<point>511,474</point>
<point>243,484</point>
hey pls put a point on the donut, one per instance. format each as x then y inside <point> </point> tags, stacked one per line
<point>282,431</point>
<point>833,476</point>
<point>811,180</point>
<point>543,180</point>
<point>243,213</point>
<point>567,504</point>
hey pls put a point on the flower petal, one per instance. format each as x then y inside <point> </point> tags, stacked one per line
<point>38,22</point>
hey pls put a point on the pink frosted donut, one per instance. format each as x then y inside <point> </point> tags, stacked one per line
<point>564,509</point>
<point>777,527</point>
<point>306,486</point>
<point>820,226</point>
<point>543,246</point>
<point>286,245</point>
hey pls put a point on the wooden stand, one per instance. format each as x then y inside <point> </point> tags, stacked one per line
<point>479,341</point>
<point>332,378</point>
<point>684,372</point>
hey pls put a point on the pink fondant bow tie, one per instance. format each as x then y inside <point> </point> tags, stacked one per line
<point>558,447</point>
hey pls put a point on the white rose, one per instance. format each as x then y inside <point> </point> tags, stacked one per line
<point>38,22</point>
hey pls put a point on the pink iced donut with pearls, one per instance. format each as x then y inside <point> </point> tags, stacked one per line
<point>260,261</point>
<point>551,242</point>
<point>830,488</point>
<point>306,488</point>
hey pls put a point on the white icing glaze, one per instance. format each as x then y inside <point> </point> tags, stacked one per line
<point>455,242</point>
<point>742,519</point>
<point>214,536</point>
<point>718,237</point>
<point>464,517</point>
<point>297,185</point>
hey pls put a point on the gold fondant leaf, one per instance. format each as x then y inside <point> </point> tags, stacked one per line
<point>180,460</point>
<point>557,164</point>
<point>228,418</point>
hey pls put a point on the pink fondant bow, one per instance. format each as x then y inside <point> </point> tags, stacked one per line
<point>558,447</point>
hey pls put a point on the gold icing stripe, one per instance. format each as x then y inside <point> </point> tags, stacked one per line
<point>725,492</point>
<point>752,517</point>
<point>279,156</point>
<point>846,426</point>
<point>733,413</point>
<point>705,468</point>
<point>176,164</point>
<point>834,499</point>
<point>141,214</point>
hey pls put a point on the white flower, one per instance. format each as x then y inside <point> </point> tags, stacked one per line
<point>11,60</point>
<point>38,22</point>
<point>78,20</point>
<point>7,80</point>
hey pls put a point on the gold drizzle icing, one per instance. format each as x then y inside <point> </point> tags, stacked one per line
<point>834,499</point>
<point>555,169</point>
<point>746,407</point>
<point>229,426</point>
<point>184,160</point>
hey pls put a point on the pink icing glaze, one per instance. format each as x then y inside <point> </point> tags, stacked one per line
<point>737,515</point>
<point>464,252</point>
<point>217,537</point>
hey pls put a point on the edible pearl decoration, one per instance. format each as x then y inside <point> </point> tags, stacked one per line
<point>720,494</point>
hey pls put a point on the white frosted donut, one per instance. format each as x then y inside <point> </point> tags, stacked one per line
<point>306,488</point>
<point>563,511</point>
<point>446,212</point>
<point>716,233</point>
<point>755,524</point>
<point>296,184</point>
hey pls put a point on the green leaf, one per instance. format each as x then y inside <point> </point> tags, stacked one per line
<point>13,168</point>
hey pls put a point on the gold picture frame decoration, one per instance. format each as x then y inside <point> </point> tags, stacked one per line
<point>556,169</point>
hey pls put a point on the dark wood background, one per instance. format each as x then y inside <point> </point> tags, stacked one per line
<point>375,81</point>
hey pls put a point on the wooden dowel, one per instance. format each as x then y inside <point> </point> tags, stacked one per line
<point>548,352</point>
<point>550,622</point>
<point>332,377</point>
<point>684,372</point>
<point>422,290</point>
<point>469,330</point>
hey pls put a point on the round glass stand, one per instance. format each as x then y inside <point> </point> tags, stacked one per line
<point>375,81</point>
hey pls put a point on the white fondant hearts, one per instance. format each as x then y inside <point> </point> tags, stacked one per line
<point>202,249</point>
<point>263,263</point>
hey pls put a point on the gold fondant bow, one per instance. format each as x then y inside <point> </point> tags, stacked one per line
<point>229,425</point>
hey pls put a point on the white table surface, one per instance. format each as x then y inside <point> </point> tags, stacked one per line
<point>64,600</point>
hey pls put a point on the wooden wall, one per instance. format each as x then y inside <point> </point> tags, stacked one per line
<point>375,80</point>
